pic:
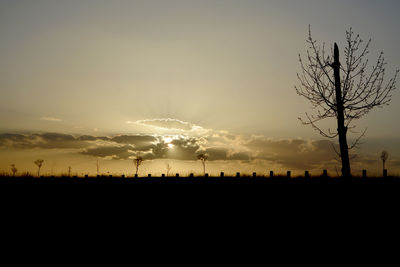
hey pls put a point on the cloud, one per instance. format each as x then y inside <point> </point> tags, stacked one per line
<point>169,124</point>
<point>51,119</point>
<point>291,154</point>
<point>92,138</point>
<point>297,154</point>
<point>17,141</point>
<point>113,152</point>
<point>46,141</point>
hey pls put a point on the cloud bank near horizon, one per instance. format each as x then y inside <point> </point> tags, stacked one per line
<point>292,154</point>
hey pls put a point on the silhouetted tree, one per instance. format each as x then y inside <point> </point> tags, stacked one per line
<point>98,167</point>
<point>39,164</point>
<point>203,158</point>
<point>384,158</point>
<point>14,169</point>
<point>69,171</point>
<point>345,92</point>
<point>138,161</point>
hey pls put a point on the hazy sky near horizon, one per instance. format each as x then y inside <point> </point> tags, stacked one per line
<point>101,67</point>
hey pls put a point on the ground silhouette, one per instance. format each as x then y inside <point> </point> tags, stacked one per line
<point>250,180</point>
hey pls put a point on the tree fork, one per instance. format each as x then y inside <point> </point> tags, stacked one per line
<point>342,129</point>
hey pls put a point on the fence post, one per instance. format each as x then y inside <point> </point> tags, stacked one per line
<point>206,175</point>
<point>325,173</point>
<point>254,175</point>
<point>271,174</point>
<point>86,176</point>
<point>191,175</point>
<point>385,173</point>
<point>177,175</point>
<point>306,174</point>
<point>123,176</point>
<point>289,174</point>
<point>364,173</point>
<point>149,175</point>
<point>238,174</point>
<point>163,175</point>
<point>222,174</point>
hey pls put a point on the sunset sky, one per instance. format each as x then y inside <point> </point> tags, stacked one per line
<point>88,80</point>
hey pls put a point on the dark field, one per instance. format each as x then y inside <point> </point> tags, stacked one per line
<point>200,180</point>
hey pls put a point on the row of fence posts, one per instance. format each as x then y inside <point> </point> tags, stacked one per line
<point>238,175</point>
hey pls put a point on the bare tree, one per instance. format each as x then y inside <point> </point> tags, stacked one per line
<point>168,167</point>
<point>39,164</point>
<point>384,158</point>
<point>138,161</point>
<point>344,92</point>
<point>203,158</point>
<point>14,169</point>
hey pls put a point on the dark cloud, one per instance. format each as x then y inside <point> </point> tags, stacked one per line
<point>293,154</point>
<point>92,138</point>
<point>184,149</point>
<point>59,141</point>
<point>297,153</point>
<point>216,153</point>
<point>16,141</point>
<point>46,141</point>
<point>126,147</point>
<point>140,142</point>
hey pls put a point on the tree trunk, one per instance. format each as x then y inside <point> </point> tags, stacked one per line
<point>342,129</point>
<point>383,170</point>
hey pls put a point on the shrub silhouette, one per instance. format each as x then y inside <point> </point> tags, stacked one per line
<point>14,169</point>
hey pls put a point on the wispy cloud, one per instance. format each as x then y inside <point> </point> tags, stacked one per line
<point>168,124</point>
<point>51,119</point>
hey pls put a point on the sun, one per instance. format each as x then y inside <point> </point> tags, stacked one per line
<point>168,140</point>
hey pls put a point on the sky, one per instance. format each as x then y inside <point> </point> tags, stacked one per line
<point>175,78</point>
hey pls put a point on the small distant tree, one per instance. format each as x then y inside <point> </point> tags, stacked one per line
<point>168,167</point>
<point>98,167</point>
<point>138,161</point>
<point>14,169</point>
<point>39,164</point>
<point>203,158</point>
<point>343,90</point>
<point>384,158</point>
